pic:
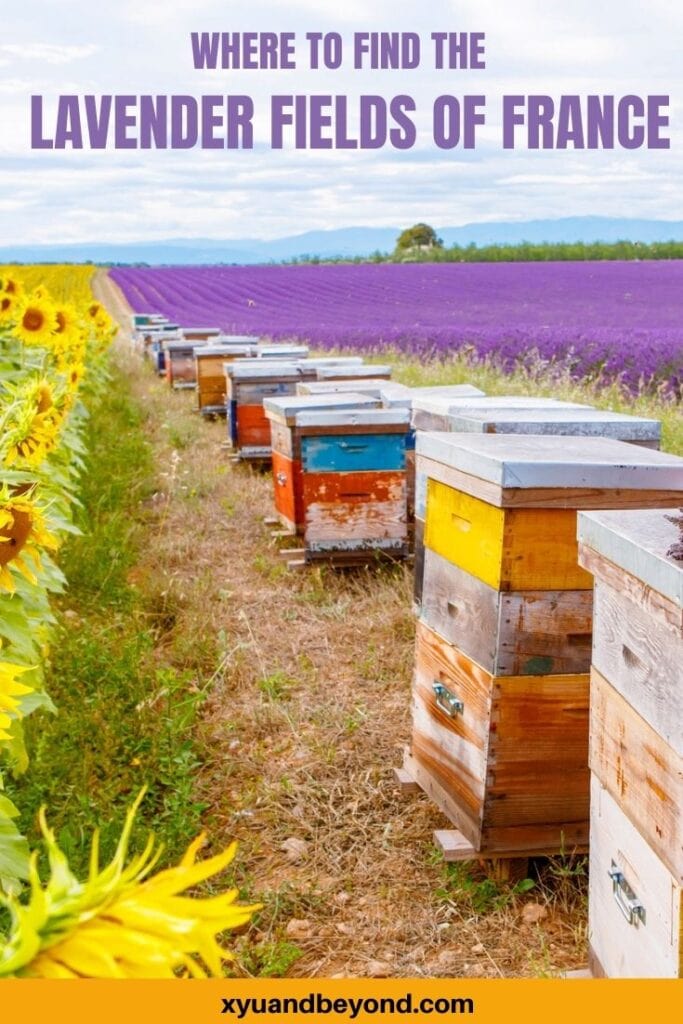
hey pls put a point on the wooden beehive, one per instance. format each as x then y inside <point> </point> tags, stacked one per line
<point>249,382</point>
<point>287,433</point>
<point>179,363</point>
<point>500,730</point>
<point>636,744</point>
<point>210,361</point>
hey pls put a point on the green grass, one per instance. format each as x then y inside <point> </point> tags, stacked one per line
<point>123,719</point>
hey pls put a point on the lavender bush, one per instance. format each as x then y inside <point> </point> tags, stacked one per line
<point>603,320</point>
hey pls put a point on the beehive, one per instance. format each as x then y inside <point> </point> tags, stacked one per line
<point>249,382</point>
<point>636,744</point>
<point>300,432</point>
<point>209,369</point>
<point>500,729</point>
<point>179,363</point>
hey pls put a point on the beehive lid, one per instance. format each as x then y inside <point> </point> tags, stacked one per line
<point>282,351</point>
<point>223,348</point>
<point>284,409</point>
<point>243,339</point>
<point>446,405</point>
<point>267,369</point>
<point>400,395</point>
<point>330,387</point>
<point>585,422</point>
<point>637,540</point>
<point>161,328</point>
<point>373,419</point>
<point>358,370</point>
<point>201,330</point>
<point>179,345</point>
<point>570,463</point>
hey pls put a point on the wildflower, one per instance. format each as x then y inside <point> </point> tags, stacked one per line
<point>120,923</point>
<point>37,322</point>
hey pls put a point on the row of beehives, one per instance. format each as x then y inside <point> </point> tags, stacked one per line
<point>504,695</point>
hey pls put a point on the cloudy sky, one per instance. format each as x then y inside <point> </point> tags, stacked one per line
<point>143,46</point>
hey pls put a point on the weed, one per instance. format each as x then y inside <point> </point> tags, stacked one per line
<point>276,686</point>
<point>480,895</point>
<point>270,959</point>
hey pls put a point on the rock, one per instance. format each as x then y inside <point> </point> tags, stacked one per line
<point>345,929</point>
<point>295,849</point>
<point>479,948</point>
<point>377,969</point>
<point>299,928</point>
<point>533,913</point>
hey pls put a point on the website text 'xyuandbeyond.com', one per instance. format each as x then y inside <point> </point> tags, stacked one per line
<point>316,1004</point>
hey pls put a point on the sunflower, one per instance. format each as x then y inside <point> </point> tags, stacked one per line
<point>8,307</point>
<point>37,323</point>
<point>30,426</point>
<point>10,693</point>
<point>23,532</point>
<point>120,923</point>
<point>11,286</point>
<point>69,326</point>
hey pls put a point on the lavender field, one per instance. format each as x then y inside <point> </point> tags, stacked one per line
<point>602,319</point>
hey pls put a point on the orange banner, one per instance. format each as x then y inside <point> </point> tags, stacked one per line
<point>548,1001</point>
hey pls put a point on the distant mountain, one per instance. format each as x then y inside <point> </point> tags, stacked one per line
<point>344,242</point>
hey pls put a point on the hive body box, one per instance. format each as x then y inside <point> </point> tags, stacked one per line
<point>339,475</point>
<point>179,362</point>
<point>209,363</point>
<point>248,383</point>
<point>500,700</point>
<point>453,408</point>
<point>488,416</point>
<point>636,745</point>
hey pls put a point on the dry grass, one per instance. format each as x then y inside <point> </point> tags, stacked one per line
<point>308,709</point>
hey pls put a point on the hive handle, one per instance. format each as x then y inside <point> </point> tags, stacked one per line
<point>629,905</point>
<point>462,524</point>
<point>446,700</point>
<point>349,446</point>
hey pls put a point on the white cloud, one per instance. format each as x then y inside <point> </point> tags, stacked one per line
<point>48,53</point>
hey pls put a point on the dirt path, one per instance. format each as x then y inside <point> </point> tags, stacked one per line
<point>308,681</point>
